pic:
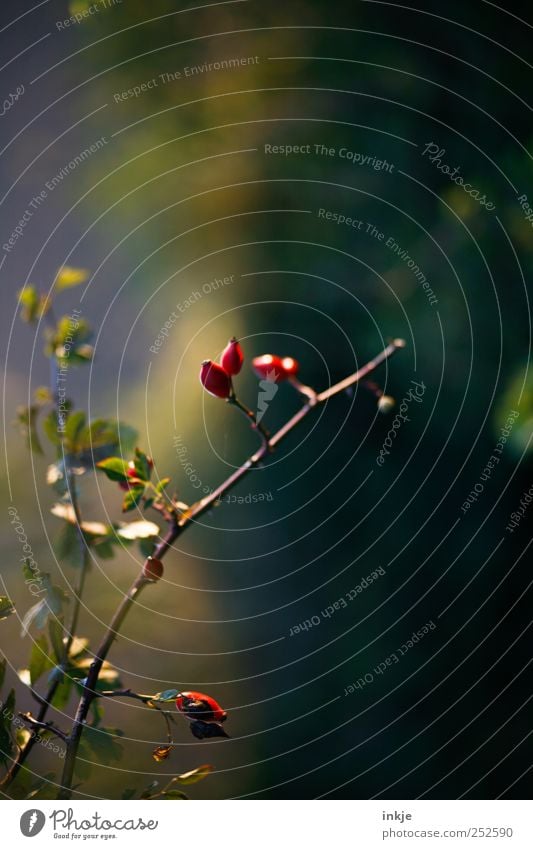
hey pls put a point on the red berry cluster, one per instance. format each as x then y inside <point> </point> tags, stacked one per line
<point>274,368</point>
<point>216,378</point>
<point>204,713</point>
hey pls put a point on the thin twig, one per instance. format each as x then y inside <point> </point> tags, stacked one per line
<point>176,529</point>
<point>44,726</point>
<point>126,694</point>
<point>250,415</point>
<point>147,700</point>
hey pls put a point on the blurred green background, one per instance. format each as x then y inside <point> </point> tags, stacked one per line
<point>183,193</point>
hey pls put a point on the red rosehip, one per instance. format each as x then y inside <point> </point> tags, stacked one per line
<point>291,366</point>
<point>199,706</point>
<point>153,569</point>
<point>232,357</point>
<point>202,730</point>
<point>215,380</point>
<point>274,368</point>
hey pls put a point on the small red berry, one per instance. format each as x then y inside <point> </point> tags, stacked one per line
<point>291,366</point>
<point>215,380</point>
<point>199,706</point>
<point>153,569</point>
<point>274,368</point>
<point>232,357</point>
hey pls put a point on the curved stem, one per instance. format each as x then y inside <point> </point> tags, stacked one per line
<point>258,426</point>
<point>300,387</point>
<point>177,527</point>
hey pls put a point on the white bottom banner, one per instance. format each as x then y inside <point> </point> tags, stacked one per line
<point>264,825</point>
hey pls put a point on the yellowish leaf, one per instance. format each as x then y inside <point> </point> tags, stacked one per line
<point>194,775</point>
<point>138,530</point>
<point>67,277</point>
<point>66,511</point>
<point>161,753</point>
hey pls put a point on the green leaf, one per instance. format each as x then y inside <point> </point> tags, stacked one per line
<point>62,694</point>
<point>103,438</point>
<point>6,607</point>
<point>27,571</point>
<point>99,432</point>
<point>165,696</point>
<point>172,794</point>
<point>68,341</point>
<point>102,432</point>
<point>67,277</point>
<point>56,631</point>
<point>105,549</point>
<point>68,546</point>
<point>132,498</point>
<point>127,437</point>
<point>40,661</point>
<point>147,792</point>
<point>51,427</point>
<point>164,482</point>
<point>102,744</point>
<point>194,775</point>
<point>72,332</point>
<point>115,468</point>
<point>142,466</point>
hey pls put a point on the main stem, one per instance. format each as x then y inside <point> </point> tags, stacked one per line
<point>178,527</point>
<point>46,701</point>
